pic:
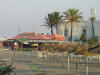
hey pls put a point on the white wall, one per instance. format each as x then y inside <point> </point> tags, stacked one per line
<point>78,29</point>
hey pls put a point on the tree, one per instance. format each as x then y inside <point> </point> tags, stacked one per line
<point>72,15</point>
<point>57,19</point>
<point>83,36</point>
<point>49,21</point>
<point>92,19</point>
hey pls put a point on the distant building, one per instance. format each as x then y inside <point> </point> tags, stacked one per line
<point>78,28</point>
<point>32,36</point>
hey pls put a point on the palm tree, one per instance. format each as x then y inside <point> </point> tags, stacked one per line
<point>49,21</point>
<point>72,15</point>
<point>92,19</point>
<point>57,19</point>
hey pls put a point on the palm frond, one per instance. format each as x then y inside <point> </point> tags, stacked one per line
<point>92,18</point>
<point>73,14</point>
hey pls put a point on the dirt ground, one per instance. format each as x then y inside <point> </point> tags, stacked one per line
<point>22,67</point>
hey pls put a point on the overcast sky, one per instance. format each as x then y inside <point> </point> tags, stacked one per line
<point>19,15</point>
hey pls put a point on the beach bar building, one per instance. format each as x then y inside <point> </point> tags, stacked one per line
<point>40,39</point>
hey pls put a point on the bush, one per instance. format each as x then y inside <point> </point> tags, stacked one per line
<point>94,40</point>
<point>83,37</point>
<point>24,49</point>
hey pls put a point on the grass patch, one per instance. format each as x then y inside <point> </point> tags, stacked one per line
<point>35,68</point>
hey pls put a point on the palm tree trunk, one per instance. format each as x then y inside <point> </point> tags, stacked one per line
<point>51,29</point>
<point>56,29</point>
<point>93,29</point>
<point>71,31</point>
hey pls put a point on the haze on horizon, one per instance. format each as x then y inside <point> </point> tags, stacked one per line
<point>20,15</point>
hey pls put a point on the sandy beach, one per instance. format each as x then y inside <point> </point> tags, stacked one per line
<point>23,59</point>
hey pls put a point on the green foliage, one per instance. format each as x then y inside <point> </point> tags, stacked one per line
<point>49,21</point>
<point>24,49</point>
<point>93,40</point>
<point>52,20</point>
<point>61,47</point>
<point>6,70</point>
<point>92,18</point>
<point>35,68</point>
<point>57,19</point>
<point>72,15</point>
<point>83,37</point>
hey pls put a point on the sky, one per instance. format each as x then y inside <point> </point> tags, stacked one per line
<point>17,16</point>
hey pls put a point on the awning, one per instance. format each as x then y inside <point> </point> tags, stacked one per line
<point>49,41</point>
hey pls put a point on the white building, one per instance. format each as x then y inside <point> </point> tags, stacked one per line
<point>64,29</point>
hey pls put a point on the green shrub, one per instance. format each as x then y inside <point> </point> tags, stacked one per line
<point>35,68</point>
<point>83,37</point>
<point>24,49</point>
<point>93,40</point>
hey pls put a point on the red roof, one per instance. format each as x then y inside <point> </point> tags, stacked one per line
<point>21,36</point>
<point>58,37</point>
<point>17,37</point>
<point>48,37</point>
<point>41,37</point>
